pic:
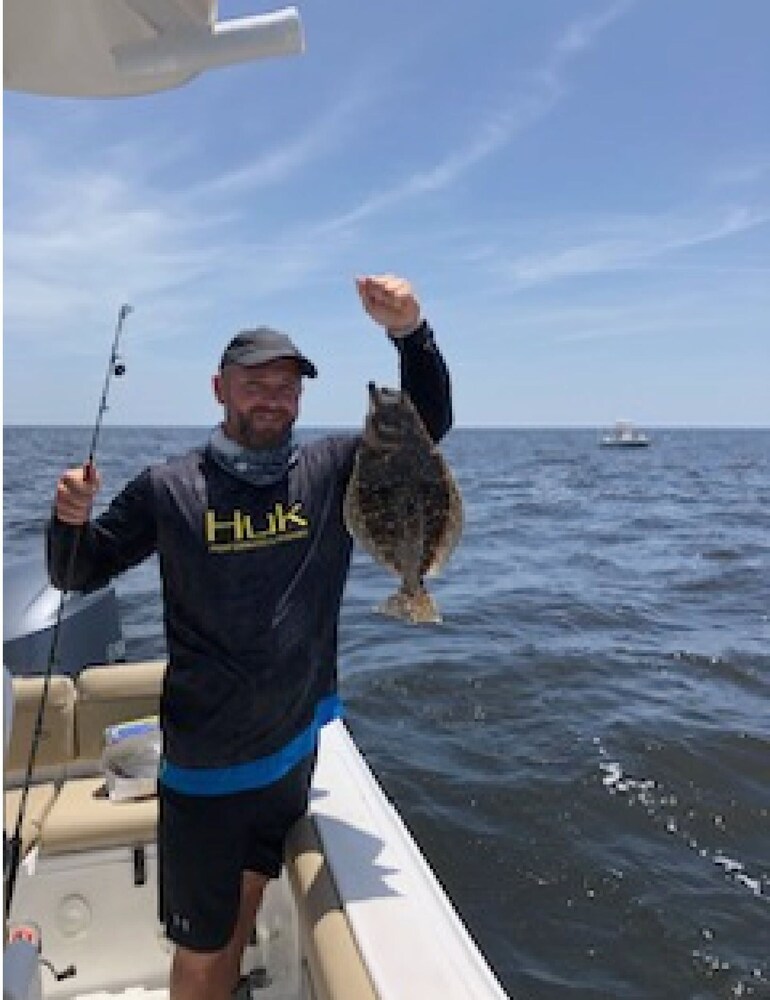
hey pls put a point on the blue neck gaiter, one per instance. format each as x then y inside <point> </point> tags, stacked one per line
<point>260,468</point>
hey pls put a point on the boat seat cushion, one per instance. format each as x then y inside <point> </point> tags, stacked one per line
<point>108,695</point>
<point>38,804</point>
<point>56,746</point>
<point>337,970</point>
<point>84,817</point>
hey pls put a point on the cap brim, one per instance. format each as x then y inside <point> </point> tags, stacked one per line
<point>255,356</point>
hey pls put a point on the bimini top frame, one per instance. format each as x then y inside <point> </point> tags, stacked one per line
<point>119,48</point>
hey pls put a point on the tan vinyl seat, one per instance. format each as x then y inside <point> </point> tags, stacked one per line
<point>107,695</point>
<point>83,816</point>
<point>55,751</point>
<point>56,747</point>
<point>39,800</point>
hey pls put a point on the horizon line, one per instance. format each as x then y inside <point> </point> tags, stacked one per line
<point>456,427</point>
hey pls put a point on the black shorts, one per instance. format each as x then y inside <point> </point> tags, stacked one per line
<point>206,842</point>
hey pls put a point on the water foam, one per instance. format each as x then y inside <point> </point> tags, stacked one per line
<point>651,795</point>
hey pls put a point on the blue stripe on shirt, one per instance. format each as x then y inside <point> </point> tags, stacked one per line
<point>255,773</point>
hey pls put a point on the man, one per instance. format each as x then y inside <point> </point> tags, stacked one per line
<point>253,556</point>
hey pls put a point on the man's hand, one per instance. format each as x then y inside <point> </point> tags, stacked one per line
<point>75,494</point>
<point>391,302</point>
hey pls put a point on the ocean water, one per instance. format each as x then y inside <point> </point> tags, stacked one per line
<point>582,748</point>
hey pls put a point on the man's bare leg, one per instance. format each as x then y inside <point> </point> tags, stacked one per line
<point>212,975</point>
<point>252,891</point>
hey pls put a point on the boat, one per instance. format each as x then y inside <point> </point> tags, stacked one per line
<point>90,628</point>
<point>357,914</point>
<point>625,435</point>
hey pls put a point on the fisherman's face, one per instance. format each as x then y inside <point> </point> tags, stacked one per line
<point>261,401</point>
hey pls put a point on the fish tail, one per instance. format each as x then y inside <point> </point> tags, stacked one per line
<point>414,605</point>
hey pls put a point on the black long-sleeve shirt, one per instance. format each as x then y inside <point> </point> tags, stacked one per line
<point>252,582</point>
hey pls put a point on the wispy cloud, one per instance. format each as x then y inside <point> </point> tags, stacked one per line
<point>91,238</point>
<point>545,87</point>
<point>323,135</point>
<point>110,219</point>
<point>83,234</point>
<point>70,259</point>
<point>80,237</point>
<point>496,132</point>
<point>670,317</point>
<point>581,34</point>
<point>631,243</point>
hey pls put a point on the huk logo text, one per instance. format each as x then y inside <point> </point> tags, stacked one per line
<point>237,531</point>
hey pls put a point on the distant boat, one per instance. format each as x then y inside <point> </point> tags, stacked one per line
<point>625,435</point>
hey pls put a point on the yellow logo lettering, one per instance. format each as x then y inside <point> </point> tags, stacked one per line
<point>233,528</point>
<point>290,516</point>
<point>238,532</point>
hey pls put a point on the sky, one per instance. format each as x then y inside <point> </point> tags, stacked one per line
<point>579,191</point>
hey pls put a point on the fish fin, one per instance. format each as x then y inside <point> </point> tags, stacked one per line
<point>411,606</point>
<point>454,527</point>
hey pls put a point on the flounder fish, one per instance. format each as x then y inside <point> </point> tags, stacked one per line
<point>402,503</point>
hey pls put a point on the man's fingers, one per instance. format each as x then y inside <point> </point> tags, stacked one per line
<point>384,290</point>
<point>390,301</point>
<point>75,494</point>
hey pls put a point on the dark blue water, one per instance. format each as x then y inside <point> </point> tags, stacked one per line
<point>582,749</point>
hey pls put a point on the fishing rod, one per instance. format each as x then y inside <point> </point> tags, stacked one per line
<point>12,861</point>
<point>114,367</point>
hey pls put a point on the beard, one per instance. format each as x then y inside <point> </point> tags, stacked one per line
<point>259,429</point>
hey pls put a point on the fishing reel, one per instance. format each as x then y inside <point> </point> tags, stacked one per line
<point>118,364</point>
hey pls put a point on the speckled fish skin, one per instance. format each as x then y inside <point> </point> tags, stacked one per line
<point>402,503</point>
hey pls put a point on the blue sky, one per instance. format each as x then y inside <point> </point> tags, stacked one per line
<point>580,192</point>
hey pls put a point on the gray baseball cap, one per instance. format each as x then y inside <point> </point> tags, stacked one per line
<point>255,347</point>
